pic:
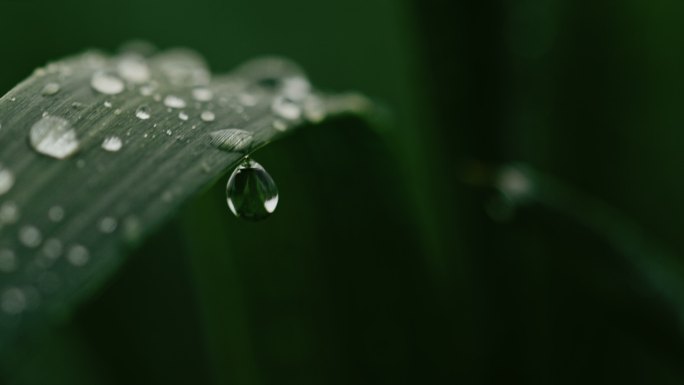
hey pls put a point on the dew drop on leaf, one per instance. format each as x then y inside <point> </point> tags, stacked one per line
<point>112,143</point>
<point>78,255</point>
<point>173,101</point>
<point>6,179</point>
<point>53,136</point>
<point>134,68</point>
<point>142,113</point>
<point>8,261</point>
<point>30,236</point>
<point>286,108</point>
<point>50,89</point>
<point>106,83</point>
<point>202,94</point>
<point>207,116</point>
<point>251,193</point>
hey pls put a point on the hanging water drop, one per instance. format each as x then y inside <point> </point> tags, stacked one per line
<point>53,136</point>
<point>251,193</point>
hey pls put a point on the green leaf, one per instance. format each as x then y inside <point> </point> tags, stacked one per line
<point>67,224</point>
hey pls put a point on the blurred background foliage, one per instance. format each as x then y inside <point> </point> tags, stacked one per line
<point>381,264</point>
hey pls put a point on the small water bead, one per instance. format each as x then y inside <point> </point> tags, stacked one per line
<point>112,143</point>
<point>13,300</point>
<point>286,108</point>
<point>202,94</point>
<point>231,139</point>
<point>173,101</point>
<point>514,182</point>
<point>296,87</point>
<point>50,89</point>
<point>251,193</point>
<point>107,104</point>
<point>52,248</point>
<point>107,225</point>
<point>56,213</point>
<point>54,137</point>
<point>314,109</point>
<point>134,68</point>
<point>248,100</point>
<point>207,116</point>
<point>78,255</point>
<point>131,229</point>
<point>148,89</point>
<point>9,213</point>
<point>143,113</point>
<point>8,261</point>
<point>107,83</point>
<point>6,179</point>
<point>279,125</point>
<point>30,236</point>
<point>182,116</point>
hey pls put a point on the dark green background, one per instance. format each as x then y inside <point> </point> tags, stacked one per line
<point>381,265</point>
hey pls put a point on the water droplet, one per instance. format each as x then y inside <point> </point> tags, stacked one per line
<point>248,100</point>
<point>107,104</point>
<point>50,89</point>
<point>314,109</point>
<point>78,255</point>
<point>231,139</point>
<point>250,192</point>
<point>6,179</point>
<point>148,89</point>
<point>107,225</point>
<point>132,229</point>
<point>54,136</point>
<point>169,132</point>
<point>106,83</point>
<point>296,87</point>
<point>514,182</point>
<point>182,116</point>
<point>286,108</point>
<point>56,213</point>
<point>112,143</point>
<point>9,212</point>
<point>207,116</point>
<point>134,68</point>
<point>52,248</point>
<point>8,261</point>
<point>202,94</point>
<point>143,113</point>
<point>13,301</point>
<point>279,125</point>
<point>174,102</point>
<point>30,236</point>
